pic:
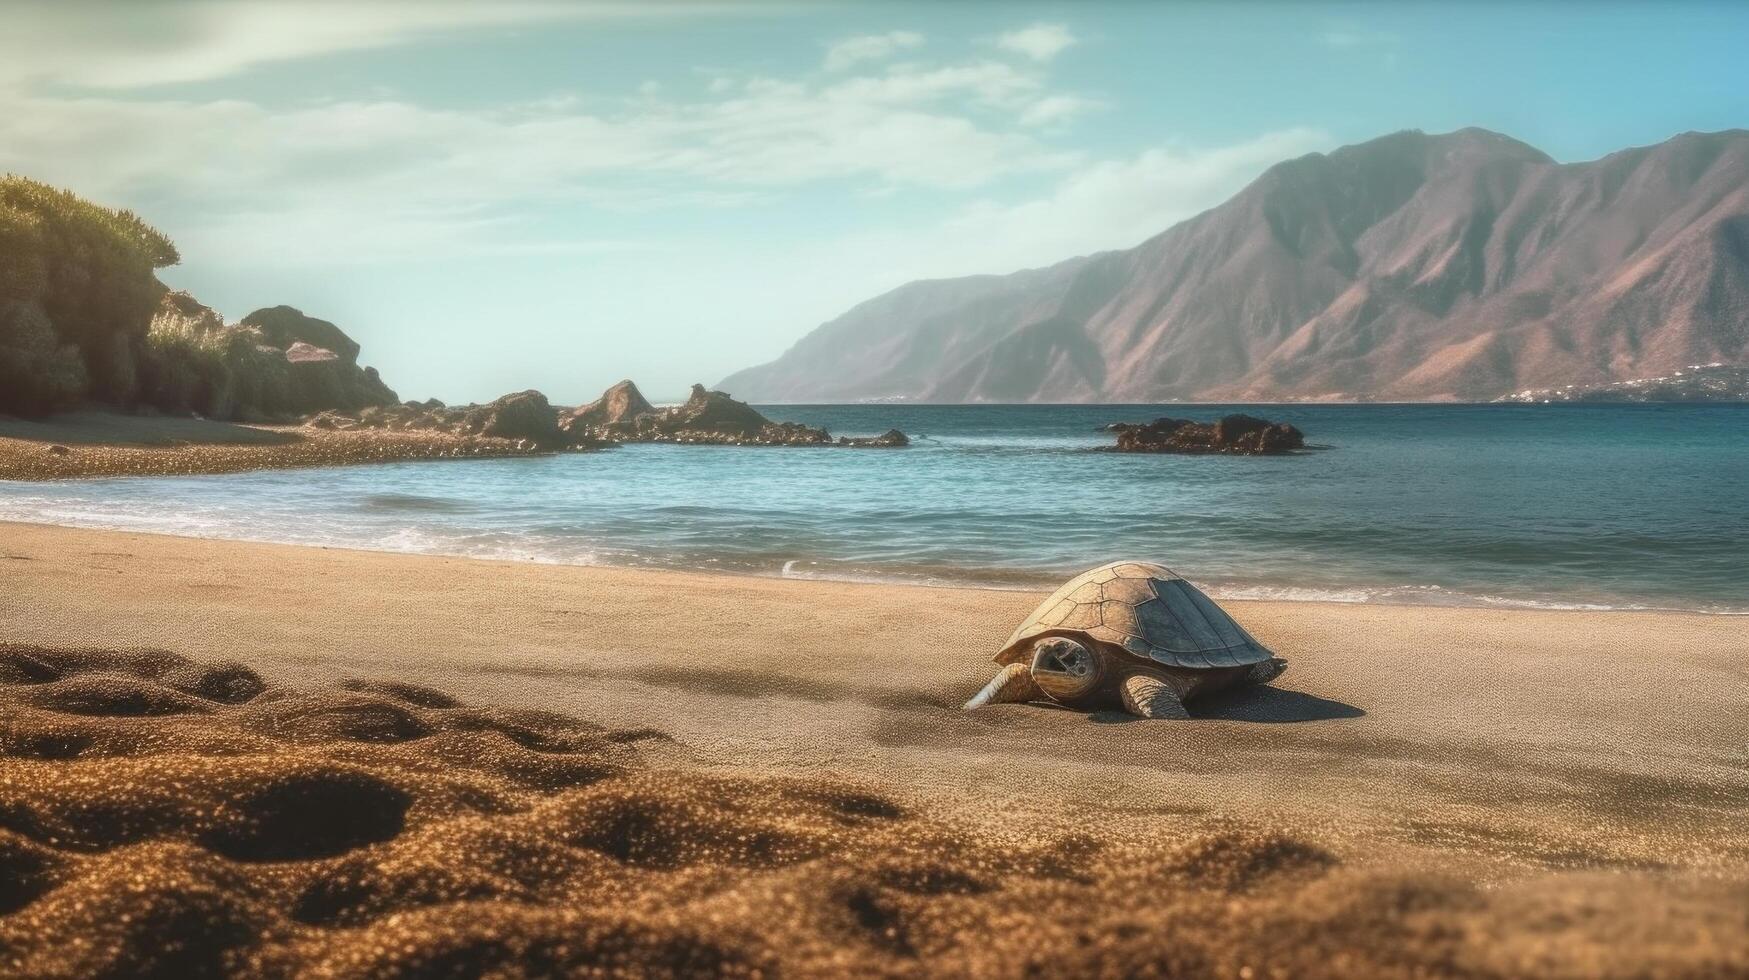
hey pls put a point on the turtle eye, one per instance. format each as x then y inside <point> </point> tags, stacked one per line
<point>1067,658</point>
<point>1062,657</point>
<point>1064,670</point>
<point>1074,661</point>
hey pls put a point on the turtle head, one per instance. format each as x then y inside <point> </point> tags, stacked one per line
<point>1067,670</point>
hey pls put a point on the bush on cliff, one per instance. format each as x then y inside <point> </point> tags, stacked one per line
<point>89,271</point>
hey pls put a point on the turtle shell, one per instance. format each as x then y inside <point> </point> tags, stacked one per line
<point>1144,609</point>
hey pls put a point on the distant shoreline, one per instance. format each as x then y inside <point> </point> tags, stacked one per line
<point>90,445</point>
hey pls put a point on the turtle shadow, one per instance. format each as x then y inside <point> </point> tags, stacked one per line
<point>1263,705</point>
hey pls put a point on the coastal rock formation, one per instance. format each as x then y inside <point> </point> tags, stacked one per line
<point>285,326</point>
<point>620,403</point>
<point>524,415</point>
<point>195,362</point>
<point>1240,435</point>
<point>715,412</point>
<point>890,439</point>
<point>1413,267</point>
<point>706,417</point>
<point>523,418</point>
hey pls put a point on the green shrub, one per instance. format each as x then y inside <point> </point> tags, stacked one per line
<point>38,373</point>
<point>89,270</point>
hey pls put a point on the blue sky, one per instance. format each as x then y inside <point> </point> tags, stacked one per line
<point>558,195</point>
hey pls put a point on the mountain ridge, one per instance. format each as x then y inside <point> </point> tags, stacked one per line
<point>1411,267</point>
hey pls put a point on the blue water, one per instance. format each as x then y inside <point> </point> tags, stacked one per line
<point>1573,505</point>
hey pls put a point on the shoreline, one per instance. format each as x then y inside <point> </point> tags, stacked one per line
<point>1228,592</point>
<point>97,445</point>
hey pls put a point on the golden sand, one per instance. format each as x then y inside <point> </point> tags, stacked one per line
<point>759,776</point>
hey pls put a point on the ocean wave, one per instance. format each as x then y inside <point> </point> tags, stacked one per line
<point>1435,595</point>
<point>415,503</point>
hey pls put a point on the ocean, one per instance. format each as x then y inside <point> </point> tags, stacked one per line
<point>1558,506</point>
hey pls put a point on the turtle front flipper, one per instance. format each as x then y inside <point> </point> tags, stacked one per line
<point>1266,671</point>
<point>1147,696</point>
<point>1012,684</point>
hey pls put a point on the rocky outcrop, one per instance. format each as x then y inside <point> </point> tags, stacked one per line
<point>523,419</point>
<point>620,403</point>
<point>716,412</point>
<point>706,418</point>
<point>524,415</point>
<point>890,439</point>
<point>302,353</point>
<point>1239,435</point>
<point>286,326</point>
<point>192,361</point>
<point>1460,266</point>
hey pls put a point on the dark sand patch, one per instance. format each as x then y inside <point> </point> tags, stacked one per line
<point>387,830</point>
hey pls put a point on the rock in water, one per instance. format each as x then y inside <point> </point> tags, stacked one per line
<point>716,411</point>
<point>524,415</point>
<point>620,403</point>
<point>890,439</point>
<point>1238,434</point>
<point>712,418</point>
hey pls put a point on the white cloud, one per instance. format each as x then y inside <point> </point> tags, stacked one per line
<point>1102,205</point>
<point>391,174</point>
<point>869,47</point>
<point>989,83</point>
<point>1040,42</point>
<point>147,42</point>
<point>1118,203</point>
<point>1055,109</point>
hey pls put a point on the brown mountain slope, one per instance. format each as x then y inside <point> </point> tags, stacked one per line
<point>1458,266</point>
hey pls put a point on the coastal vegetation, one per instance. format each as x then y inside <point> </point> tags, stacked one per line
<point>83,317</point>
<point>77,292</point>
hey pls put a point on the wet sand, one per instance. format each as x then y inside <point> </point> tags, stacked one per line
<point>758,775</point>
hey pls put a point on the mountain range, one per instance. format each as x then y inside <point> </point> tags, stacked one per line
<point>1462,266</point>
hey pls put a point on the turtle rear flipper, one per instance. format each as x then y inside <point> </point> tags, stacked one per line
<point>1147,696</point>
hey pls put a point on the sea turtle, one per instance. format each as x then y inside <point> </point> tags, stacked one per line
<point>1130,632</point>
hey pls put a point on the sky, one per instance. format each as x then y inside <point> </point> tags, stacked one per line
<point>491,197</point>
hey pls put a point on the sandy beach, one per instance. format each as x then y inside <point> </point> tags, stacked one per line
<point>1431,773</point>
